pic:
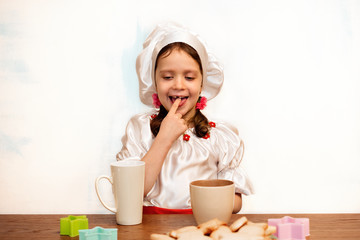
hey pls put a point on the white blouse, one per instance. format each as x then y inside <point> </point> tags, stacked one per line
<point>219,156</point>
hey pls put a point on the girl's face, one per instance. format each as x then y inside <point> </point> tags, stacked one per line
<point>178,75</point>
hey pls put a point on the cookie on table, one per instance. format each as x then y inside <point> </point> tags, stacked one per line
<point>193,235</point>
<point>235,226</point>
<point>175,233</point>
<point>210,226</point>
<point>220,232</point>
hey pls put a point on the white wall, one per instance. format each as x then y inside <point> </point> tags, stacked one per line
<point>68,87</point>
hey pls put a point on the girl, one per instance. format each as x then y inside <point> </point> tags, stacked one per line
<point>177,74</point>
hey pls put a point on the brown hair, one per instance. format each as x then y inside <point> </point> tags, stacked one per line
<point>201,123</point>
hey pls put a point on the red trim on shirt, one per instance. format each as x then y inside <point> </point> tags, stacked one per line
<point>158,210</point>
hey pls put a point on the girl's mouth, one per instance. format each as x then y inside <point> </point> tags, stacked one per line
<point>183,99</point>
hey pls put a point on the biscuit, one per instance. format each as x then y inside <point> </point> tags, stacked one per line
<point>270,230</point>
<point>237,236</point>
<point>193,235</point>
<point>263,225</point>
<point>252,230</point>
<point>238,224</point>
<point>210,226</point>
<point>220,232</point>
<point>175,233</point>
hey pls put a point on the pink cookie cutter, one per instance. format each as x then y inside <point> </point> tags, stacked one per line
<point>288,228</point>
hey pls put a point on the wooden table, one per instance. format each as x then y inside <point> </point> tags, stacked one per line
<point>322,226</point>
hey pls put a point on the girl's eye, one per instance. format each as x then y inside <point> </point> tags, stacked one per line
<point>167,77</point>
<point>189,78</point>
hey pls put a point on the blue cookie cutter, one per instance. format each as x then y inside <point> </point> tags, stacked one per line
<point>98,233</point>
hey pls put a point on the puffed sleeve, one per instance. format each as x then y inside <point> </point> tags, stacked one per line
<point>231,151</point>
<point>137,139</point>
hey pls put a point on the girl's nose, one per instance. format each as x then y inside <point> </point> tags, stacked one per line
<point>179,83</point>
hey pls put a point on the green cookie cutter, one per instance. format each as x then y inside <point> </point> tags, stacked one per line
<point>72,224</point>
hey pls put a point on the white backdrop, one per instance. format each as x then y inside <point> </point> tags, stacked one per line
<point>68,87</point>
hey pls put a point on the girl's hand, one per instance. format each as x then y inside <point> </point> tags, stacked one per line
<point>173,124</point>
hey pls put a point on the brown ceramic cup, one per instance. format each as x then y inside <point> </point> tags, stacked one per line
<point>212,199</point>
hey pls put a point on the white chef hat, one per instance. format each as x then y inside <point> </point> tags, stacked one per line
<point>160,37</point>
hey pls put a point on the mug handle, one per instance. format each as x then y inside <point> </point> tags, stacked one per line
<point>98,194</point>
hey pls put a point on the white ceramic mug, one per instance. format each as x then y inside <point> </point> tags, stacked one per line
<point>127,179</point>
<point>212,199</point>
